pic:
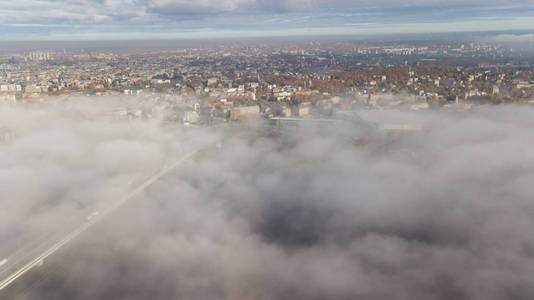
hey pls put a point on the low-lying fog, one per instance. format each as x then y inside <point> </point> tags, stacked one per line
<point>446,212</point>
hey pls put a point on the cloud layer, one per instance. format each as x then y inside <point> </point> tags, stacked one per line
<point>149,19</point>
<point>86,12</point>
<point>322,213</point>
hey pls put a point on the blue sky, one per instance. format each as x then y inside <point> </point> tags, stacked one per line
<point>144,19</point>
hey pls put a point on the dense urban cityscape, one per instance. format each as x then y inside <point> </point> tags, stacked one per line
<point>278,80</point>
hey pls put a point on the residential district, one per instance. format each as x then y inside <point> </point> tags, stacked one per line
<point>232,81</point>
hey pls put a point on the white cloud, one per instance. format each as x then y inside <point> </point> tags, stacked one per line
<point>95,11</point>
<point>445,213</point>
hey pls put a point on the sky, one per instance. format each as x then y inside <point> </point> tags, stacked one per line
<point>145,19</point>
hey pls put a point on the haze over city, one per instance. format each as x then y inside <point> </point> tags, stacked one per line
<point>254,149</point>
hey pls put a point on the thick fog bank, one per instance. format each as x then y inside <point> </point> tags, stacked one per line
<point>61,161</point>
<point>445,212</point>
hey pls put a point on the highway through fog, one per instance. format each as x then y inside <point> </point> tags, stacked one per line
<point>35,252</point>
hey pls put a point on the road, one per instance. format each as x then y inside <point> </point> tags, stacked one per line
<point>20,262</point>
